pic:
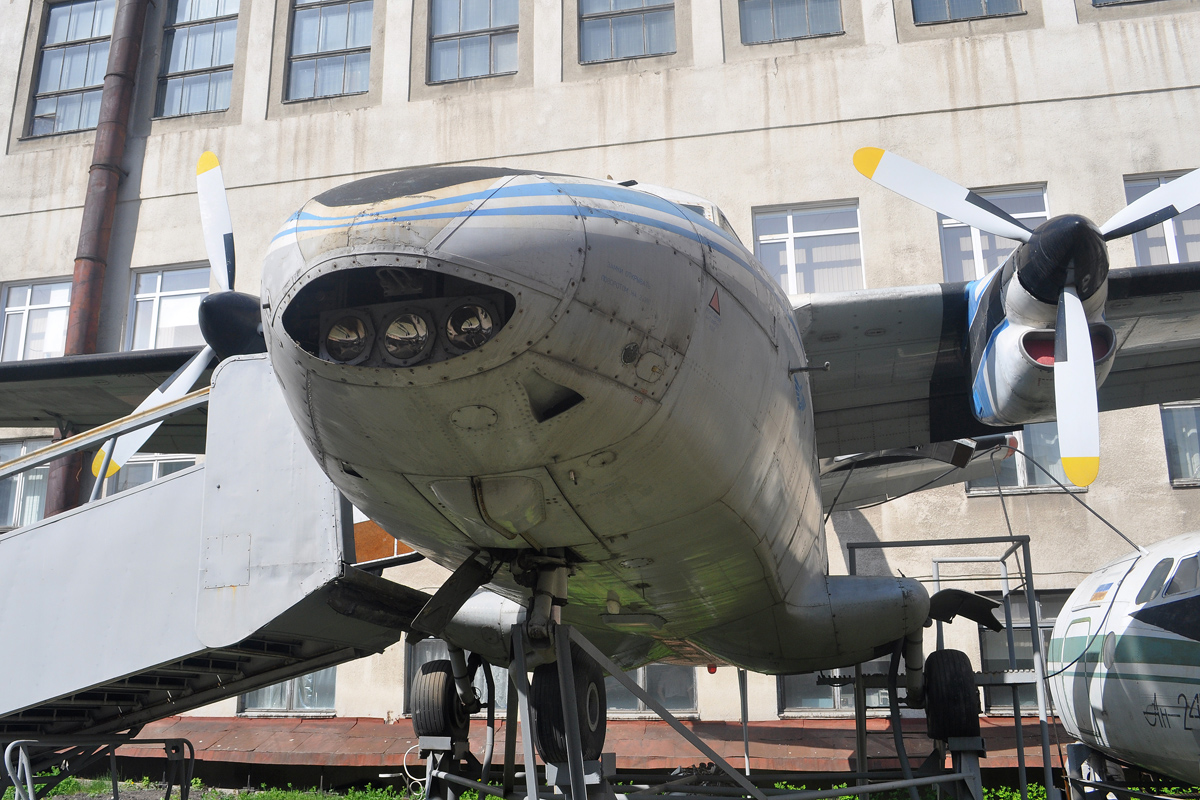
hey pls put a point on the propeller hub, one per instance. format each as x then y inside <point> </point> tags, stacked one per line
<point>1063,250</point>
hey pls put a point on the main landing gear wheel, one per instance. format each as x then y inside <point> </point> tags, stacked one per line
<point>591,706</point>
<point>436,709</point>
<point>951,699</point>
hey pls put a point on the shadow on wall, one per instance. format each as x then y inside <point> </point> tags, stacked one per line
<point>853,526</point>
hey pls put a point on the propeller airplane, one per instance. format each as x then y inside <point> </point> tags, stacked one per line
<point>593,401</point>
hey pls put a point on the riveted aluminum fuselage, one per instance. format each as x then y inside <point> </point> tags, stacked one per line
<point>683,485</point>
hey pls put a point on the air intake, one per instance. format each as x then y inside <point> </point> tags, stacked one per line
<point>548,399</point>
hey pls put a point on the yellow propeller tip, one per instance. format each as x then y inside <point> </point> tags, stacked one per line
<point>207,161</point>
<point>866,160</point>
<point>98,461</point>
<point>1081,470</point>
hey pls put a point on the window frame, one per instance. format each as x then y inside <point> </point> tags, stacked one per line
<point>1023,487</point>
<point>640,11</point>
<point>157,460</point>
<point>1045,625</point>
<point>789,236</point>
<point>39,48</point>
<point>1170,235</point>
<point>839,711</point>
<point>1177,482</point>
<point>162,76</point>
<point>5,291</point>
<point>638,675</point>
<point>290,710</point>
<point>1018,13</point>
<point>948,223</point>
<point>28,445</point>
<point>289,59</point>
<point>491,32</point>
<point>742,35</point>
<point>158,294</point>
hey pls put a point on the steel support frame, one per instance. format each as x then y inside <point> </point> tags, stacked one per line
<point>1015,542</point>
<point>25,758</point>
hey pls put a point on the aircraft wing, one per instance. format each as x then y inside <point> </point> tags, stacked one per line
<point>899,369</point>
<point>84,391</point>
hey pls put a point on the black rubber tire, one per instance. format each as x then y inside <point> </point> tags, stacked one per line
<point>549,730</point>
<point>436,709</point>
<point>951,699</point>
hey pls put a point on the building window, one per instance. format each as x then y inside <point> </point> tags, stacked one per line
<point>670,684</point>
<point>993,645</point>
<point>969,253</point>
<point>925,11</point>
<point>472,38</point>
<point>23,496</point>
<point>811,248</point>
<point>1038,444</point>
<point>1181,435</point>
<point>74,58</point>
<point>614,29</point>
<point>331,49</point>
<point>35,321</point>
<point>165,308</point>
<point>778,20</point>
<point>1171,242</point>
<point>144,468</point>
<point>832,690</point>
<point>197,59</point>
<point>428,650</point>
<point>312,693</point>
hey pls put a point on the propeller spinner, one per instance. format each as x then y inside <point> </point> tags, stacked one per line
<point>1063,263</point>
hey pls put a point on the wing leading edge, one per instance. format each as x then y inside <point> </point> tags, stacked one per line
<point>900,368</point>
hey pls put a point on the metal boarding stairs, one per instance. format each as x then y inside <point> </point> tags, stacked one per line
<point>226,577</point>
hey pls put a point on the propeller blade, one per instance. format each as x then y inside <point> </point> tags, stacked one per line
<point>1157,206</point>
<point>214,219</point>
<point>1075,392</point>
<point>933,191</point>
<point>174,387</point>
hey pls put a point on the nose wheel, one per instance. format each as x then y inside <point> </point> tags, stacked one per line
<point>591,708</point>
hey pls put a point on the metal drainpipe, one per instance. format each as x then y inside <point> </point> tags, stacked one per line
<point>99,205</point>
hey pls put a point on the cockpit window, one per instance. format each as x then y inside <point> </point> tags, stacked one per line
<point>1186,576</point>
<point>1153,583</point>
<point>725,226</point>
<point>697,209</point>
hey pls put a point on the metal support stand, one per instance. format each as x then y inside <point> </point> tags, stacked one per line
<point>520,679</point>
<point>566,689</point>
<point>744,696</point>
<point>24,759</point>
<point>965,753</point>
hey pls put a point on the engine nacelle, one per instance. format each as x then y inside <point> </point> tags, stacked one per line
<point>1011,338</point>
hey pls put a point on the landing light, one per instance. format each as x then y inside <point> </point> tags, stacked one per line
<point>347,339</point>
<point>469,326</point>
<point>407,338</point>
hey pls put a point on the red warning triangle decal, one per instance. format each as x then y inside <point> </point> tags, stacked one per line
<point>715,303</point>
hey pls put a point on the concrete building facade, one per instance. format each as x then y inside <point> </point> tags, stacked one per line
<point>1049,106</point>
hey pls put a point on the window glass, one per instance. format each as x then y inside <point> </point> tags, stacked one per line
<point>1171,242</point>
<point>778,20</point>
<point>330,49</point>
<point>1185,577</point>
<point>197,59</point>
<point>672,685</point>
<point>969,253</point>
<point>925,11</point>
<point>1038,444</point>
<point>811,248</point>
<point>312,692</point>
<point>165,308</point>
<point>625,29</point>
<point>35,321</point>
<point>71,66</point>
<point>144,468</point>
<point>832,690</point>
<point>1154,581</point>
<point>23,496</point>
<point>1181,437</point>
<point>993,645</point>
<point>491,47</point>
